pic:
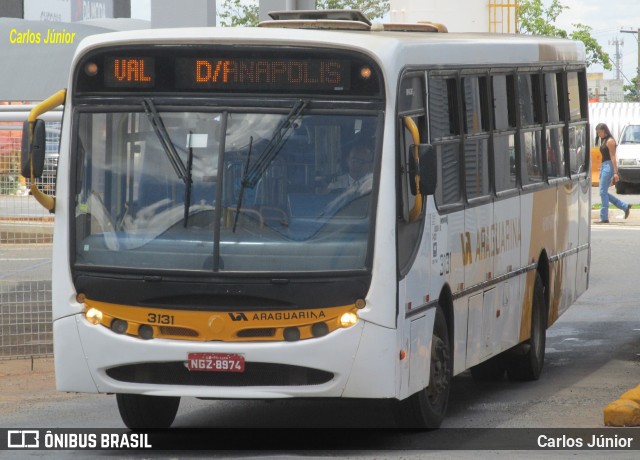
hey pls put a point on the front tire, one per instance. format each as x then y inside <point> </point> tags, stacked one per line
<point>528,365</point>
<point>426,409</point>
<point>142,411</point>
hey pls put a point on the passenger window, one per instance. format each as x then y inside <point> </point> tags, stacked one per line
<point>578,156</point>
<point>445,136</point>
<point>504,154</point>
<point>476,144</point>
<point>443,107</point>
<point>503,96</point>
<point>576,109</point>
<point>531,166</point>
<point>553,97</point>
<point>529,98</point>
<point>555,153</point>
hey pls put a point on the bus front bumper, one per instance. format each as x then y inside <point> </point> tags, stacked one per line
<point>93,359</point>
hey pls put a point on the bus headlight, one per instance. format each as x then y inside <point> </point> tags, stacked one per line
<point>94,316</point>
<point>348,319</point>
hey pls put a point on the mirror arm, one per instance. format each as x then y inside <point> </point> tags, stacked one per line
<point>47,201</point>
<point>414,214</point>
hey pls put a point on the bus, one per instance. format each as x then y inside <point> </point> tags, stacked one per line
<point>320,207</point>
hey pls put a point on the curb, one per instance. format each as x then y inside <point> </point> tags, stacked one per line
<point>624,411</point>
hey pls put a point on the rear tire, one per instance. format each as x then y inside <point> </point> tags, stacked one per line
<point>621,188</point>
<point>528,365</point>
<point>426,409</point>
<point>142,411</point>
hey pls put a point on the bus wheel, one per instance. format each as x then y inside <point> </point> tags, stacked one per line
<point>528,365</point>
<point>142,411</point>
<point>427,408</point>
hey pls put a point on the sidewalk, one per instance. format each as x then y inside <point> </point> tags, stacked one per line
<point>29,381</point>
<point>616,217</point>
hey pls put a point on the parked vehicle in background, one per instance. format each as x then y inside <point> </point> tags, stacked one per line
<point>628,155</point>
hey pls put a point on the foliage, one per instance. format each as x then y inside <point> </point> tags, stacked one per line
<point>631,91</point>
<point>534,18</point>
<point>239,13</point>
<point>372,9</point>
<point>245,13</point>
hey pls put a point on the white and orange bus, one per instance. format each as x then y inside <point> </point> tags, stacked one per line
<point>319,207</point>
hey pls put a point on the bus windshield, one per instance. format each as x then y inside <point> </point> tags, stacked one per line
<point>239,191</point>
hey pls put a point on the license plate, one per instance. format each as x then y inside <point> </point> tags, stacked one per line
<point>215,362</point>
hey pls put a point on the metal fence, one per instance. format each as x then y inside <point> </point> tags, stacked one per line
<point>26,232</point>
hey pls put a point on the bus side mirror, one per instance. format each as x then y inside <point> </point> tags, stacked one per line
<point>428,169</point>
<point>33,148</point>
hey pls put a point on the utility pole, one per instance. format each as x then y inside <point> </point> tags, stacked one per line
<point>637,32</point>
<point>618,55</point>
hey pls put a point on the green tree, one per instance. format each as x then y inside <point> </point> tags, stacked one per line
<point>631,93</point>
<point>372,9</point>
<point>535,18</point>
<point>234,13</point>
<point>239,13</point>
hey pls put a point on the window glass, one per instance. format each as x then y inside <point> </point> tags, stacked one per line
<point>528,97</point>
<point>573,86</point>
<point>531,166</point>
<point>476,165</point>
<point>503,97</point>
<point>448,187</point>
<point>555,153</point>
<point>443,118</point>
<point>578,156</point>
<point>221,199</point>
<point>504,154</point>
<point>474,101</point>
<point>552,97</point>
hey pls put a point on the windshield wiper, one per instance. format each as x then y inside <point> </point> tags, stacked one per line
<point>165,140</point>
<point>253,173</point>
<point>274,145</point>
<point>189,182</point>
<point>244,178</point>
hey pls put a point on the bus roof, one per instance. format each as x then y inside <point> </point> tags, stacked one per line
<point>389,47</point>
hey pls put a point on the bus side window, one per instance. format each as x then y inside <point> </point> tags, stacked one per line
<point>444,124</point>
<point>476,145</point>
<point>555,143</point>
<point>504,122</point>
<point>531,168</point>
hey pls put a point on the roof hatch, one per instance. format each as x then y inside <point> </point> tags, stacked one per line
<point>341,20</point>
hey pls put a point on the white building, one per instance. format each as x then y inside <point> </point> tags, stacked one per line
<point>459,15</point>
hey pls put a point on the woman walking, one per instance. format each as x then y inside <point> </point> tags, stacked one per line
<point>608,174</point>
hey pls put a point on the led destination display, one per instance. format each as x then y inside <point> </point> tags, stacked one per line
<point>220,70</point>
<point>260,73</point>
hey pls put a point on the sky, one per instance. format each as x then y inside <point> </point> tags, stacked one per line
<point>605,17</point>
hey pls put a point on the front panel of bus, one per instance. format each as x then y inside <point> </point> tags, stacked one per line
<point>221,213</point>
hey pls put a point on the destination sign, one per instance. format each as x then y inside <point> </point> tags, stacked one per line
<point>127,72</point>
<point>258,74</point>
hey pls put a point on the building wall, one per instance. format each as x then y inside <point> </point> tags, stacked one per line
<point>11,9</point>
<point>604,90</point>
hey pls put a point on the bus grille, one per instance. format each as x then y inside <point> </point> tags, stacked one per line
<point>258,332</point>
<point>255,374</point>
<point>177,331</point>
